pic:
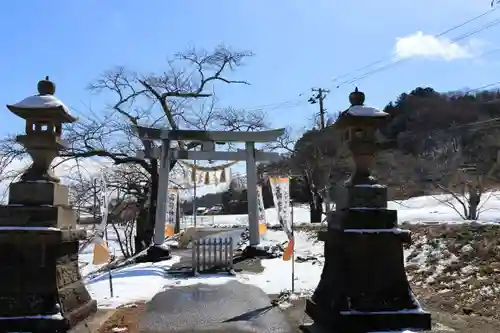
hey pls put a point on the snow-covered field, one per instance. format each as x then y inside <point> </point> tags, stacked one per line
<point>432,255</point>
<point>300,213</point>
<point>436,208</point>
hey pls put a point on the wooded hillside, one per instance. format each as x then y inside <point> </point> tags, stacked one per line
<point>433,142</point>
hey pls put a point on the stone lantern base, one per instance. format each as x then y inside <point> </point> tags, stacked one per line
<point>364,286</point>
<point>41,289</point>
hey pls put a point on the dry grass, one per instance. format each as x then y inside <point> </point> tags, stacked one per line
<point>442,322</point>
<point>457,267</point>
<point>124,320</point>
<point>454,267</point>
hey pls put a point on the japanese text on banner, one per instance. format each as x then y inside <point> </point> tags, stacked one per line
<point>173,196</point>
<point>104,208</point>
<point>260,205</point>
<point>281,196</point>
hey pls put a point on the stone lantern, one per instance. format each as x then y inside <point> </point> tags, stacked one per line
<point>363,286</point>
<point>44,115</point>
<point>41,289</point>
<point>358,125</point>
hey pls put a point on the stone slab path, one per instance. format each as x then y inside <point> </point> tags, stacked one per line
<point>229,308</point>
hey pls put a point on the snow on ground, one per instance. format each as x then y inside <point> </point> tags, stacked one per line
<point>441,208</point>
<point>138,282</point>
<point>143,281</point>
<point>277,275</point>
<point>435,208</point>
<point>301,215</point>
<point>457,263</point>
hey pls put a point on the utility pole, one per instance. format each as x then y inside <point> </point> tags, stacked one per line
<point>319,98</point>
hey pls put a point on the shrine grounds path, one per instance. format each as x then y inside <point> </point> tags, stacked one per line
<point>234,308</point>
<point>294,316</point>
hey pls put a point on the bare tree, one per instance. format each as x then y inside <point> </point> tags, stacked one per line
<point>463,167</point>
<point>173,99</point>
<point>314,158</point>
<point>123,215</point>
<point>285,143</point>
<point>466,196</point>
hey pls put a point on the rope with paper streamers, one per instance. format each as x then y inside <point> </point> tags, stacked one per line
<point>203,173</point>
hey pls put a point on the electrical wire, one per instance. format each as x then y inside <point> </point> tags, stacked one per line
<point>279,105</point>
<point>439,35</point>
<point>298,101</point>
<point>393,64</point>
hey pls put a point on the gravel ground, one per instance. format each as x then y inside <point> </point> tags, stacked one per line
<point>442,322</point>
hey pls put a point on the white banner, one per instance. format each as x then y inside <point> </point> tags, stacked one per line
<point>260,205</point>
<point>172,198</point>
<point>100,232</point>
<point>281,195</point>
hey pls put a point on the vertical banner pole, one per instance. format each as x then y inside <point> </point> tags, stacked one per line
<point>104,205</point>
<point>262,212</point>
<point>293,251</point>
<point>110,278</point>
<point>177,228</point>
<point>194,192</point>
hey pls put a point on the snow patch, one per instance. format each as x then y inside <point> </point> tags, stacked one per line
<point>365,111</point>
<point>40,102</point>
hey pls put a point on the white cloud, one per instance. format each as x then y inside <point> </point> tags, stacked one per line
<point>430,46</point>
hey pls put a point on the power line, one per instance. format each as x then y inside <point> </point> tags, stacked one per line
<point>279,105</point>
<point>439,35</point>
<point>391,65</point>
<point>487,26</point>
<point>483,87</point>
<point>298,101</point>
<point>294,103</point>
<point>273,105</point>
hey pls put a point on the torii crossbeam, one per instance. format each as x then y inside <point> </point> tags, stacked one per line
<point>207,139</point>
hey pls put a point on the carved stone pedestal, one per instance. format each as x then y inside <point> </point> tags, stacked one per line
<point>363,286</point>
<point>41,289</point>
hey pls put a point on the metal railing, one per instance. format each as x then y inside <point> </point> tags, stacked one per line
<point>212,255</point>
<point>188,221</point>
<point>211,220</point>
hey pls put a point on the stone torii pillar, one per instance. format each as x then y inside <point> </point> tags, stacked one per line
<point>207,140</point>
<point>253,214</point>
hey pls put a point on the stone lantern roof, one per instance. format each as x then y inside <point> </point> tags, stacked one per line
<point>359,114</point>
<point>43,106</point>
<point>357,108</point>
<point>44,115</point>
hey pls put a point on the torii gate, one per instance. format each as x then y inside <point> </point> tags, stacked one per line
<point>207,139</point>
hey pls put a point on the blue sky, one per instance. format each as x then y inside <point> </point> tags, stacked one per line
<point>298,44</point>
